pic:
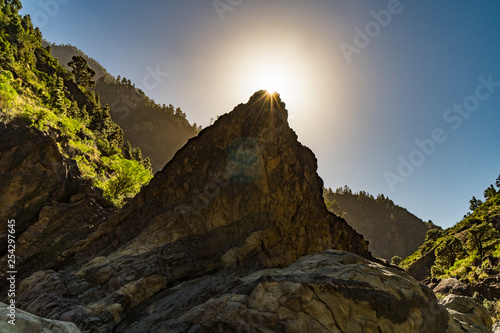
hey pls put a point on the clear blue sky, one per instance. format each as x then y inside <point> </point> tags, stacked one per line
<point>358,116</point>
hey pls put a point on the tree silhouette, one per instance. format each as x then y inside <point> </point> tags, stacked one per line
<point>490,192</point>
<point>83,74</point>
<point>474,203</point>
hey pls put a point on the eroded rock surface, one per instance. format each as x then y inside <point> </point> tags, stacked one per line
<point>472,316</point>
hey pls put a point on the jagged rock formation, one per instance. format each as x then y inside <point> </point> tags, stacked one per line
<point>242,195</point>
<point>27,323</point>
<point>233,236</point>
<point>390,229</point>
<point>41,190</point>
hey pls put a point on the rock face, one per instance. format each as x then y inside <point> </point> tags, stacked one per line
<point>390,229</point>
<point>33,173</point>
<point>41,190</point>
<point>28,323</point>
<point>243,195</point>
<point>452,286</point>
<point>421,268</point>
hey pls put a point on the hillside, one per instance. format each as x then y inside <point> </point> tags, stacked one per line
<point>59,144</point>
<point>159,130</point>
<point>390,229</point>
<point>466,256</point>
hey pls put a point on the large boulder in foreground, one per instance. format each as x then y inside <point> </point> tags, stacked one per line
<point>25,322</point>
<point>332,291</point>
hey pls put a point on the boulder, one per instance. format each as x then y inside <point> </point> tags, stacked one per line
<point>27,323</point>
<point>420,269</point>
<point>472,315</point>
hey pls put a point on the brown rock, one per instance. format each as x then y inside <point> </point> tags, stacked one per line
<point>242,195</point>
<point>36,183</point>
<point>33,173</point>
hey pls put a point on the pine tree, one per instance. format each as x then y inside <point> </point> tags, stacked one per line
<point>81,71</point>
<point>474,203</point>
<point>490,192</point>
<point>57,93</point>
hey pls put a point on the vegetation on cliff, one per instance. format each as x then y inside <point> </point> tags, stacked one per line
<point>37,91</point>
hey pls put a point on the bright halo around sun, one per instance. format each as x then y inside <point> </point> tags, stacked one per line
<point>272,76</point>
<point>277,72</point>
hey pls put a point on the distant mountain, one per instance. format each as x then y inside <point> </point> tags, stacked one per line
<point>390,229</point>
<point>65,52</point>
<point>158,130</point>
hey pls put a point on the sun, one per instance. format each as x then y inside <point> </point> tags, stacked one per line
<point>272,76</point>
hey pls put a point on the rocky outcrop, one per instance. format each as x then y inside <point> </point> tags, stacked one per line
<point>32,173</point>
<point>333,291</point>
<point>232,236</point>
<point>25,322</point>
<point>420,269</point>
<point>243,195</point>
<point>471,315</point>
<point>452,286</point>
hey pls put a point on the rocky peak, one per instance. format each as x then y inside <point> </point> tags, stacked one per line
<point>246,185</point>
<point>242,195</point>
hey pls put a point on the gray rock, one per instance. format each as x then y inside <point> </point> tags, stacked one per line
<point>28,323</point>
<point>469,312</point>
